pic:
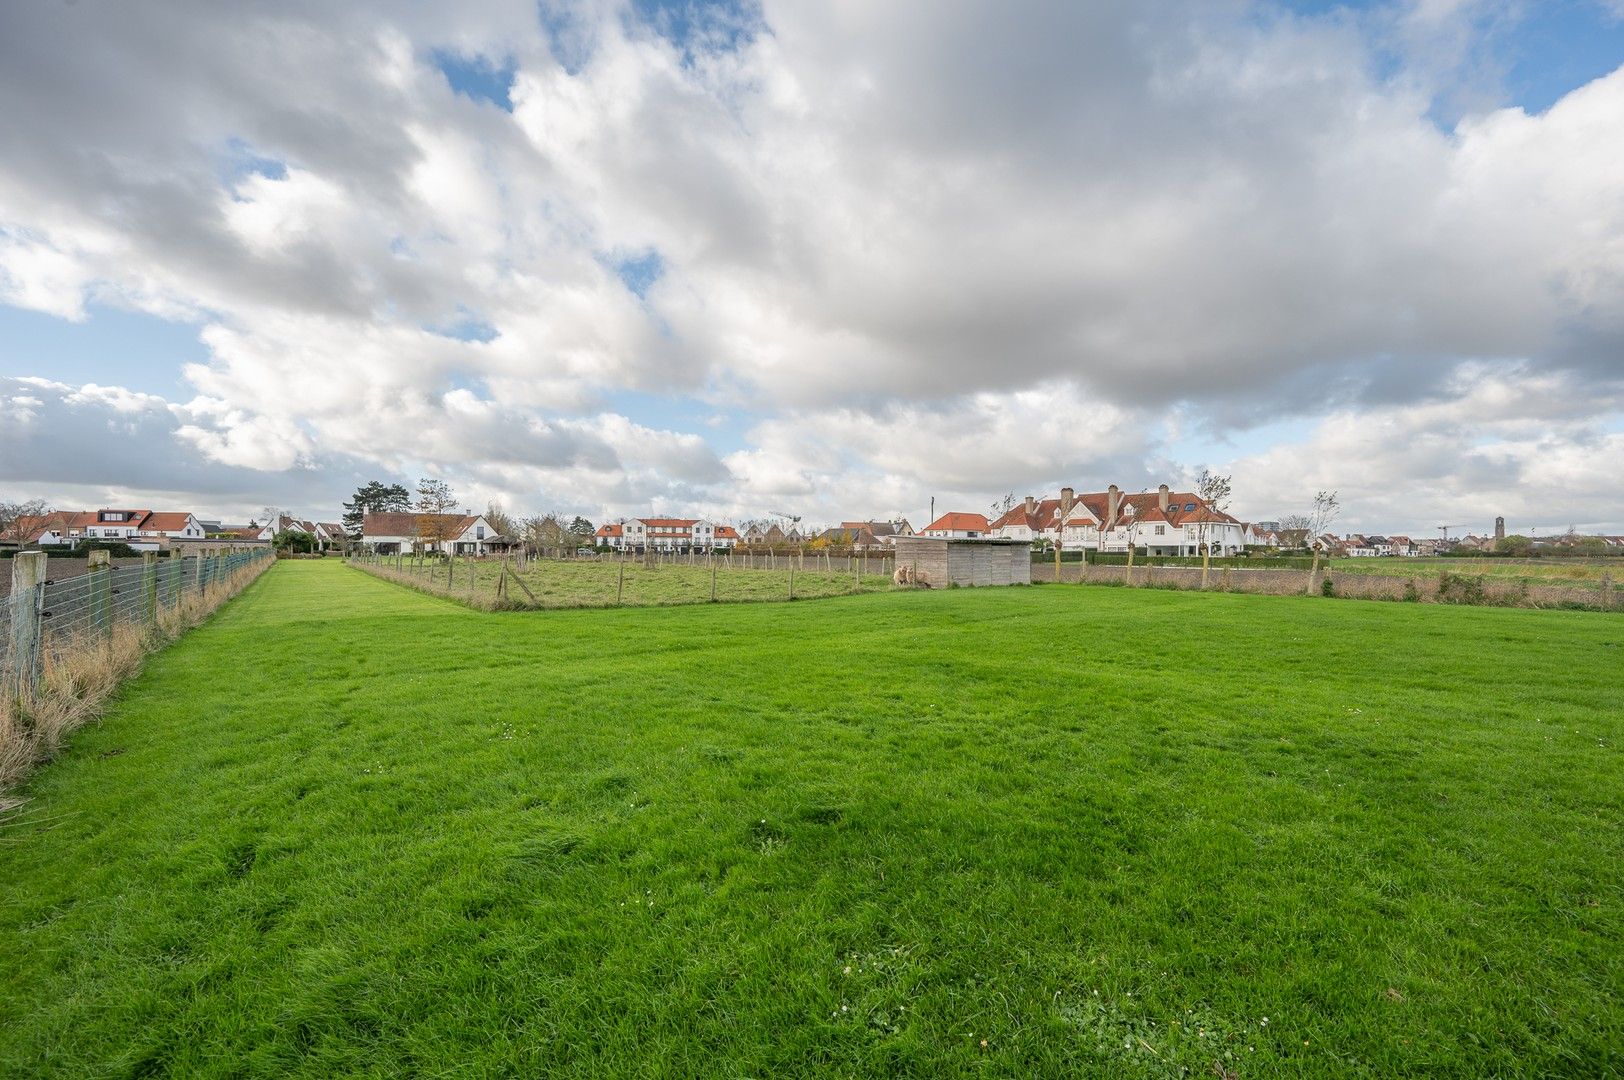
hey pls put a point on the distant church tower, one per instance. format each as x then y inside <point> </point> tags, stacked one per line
<point>1499,528</point>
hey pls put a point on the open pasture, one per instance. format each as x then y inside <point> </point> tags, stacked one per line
<point>1548,571</point>
<point>350,829</point>
<point>611,582</point>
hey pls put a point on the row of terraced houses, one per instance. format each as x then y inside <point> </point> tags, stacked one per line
<point>1163,522</point>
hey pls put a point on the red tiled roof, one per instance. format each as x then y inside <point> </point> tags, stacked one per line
<point>958,522</point>
<point>165,521</point>
<point>681,523</point>
<point>610,530</point>
<point>407,524</point>
<point>726,532</point>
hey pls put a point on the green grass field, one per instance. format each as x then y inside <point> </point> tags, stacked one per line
<point>573,583</point>
<point>349,829</point>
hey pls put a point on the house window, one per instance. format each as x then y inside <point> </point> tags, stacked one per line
<point>1189,508</point>
<point>479,532</point>
<point>1161,530</point>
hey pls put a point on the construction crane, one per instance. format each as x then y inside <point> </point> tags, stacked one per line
<point>1445,530</point>
<point>793,519</point>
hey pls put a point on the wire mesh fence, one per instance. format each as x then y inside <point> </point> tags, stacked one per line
<point>654,578</point>
<point>44,619</point>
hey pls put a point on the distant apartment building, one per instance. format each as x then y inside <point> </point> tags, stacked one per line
<point>667,534</point>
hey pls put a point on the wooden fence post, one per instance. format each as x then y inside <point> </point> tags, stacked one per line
<point>792,579</point>
<point>149,588</point>
<point>620,583</point>
<point>100,573</point>
<point>27,592</point>
<point>713,581</point>
<point>1607,590</point>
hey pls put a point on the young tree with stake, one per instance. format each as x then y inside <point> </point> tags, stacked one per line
<point>1326,508</point>
<point>1214,491</point>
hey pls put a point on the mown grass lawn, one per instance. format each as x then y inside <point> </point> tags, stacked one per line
<point>348,829</point>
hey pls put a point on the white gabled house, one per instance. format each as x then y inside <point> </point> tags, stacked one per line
<point>1110,521</point>
<point>457,534</point>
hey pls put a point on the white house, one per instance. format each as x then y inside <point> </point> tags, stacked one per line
<point>459,534</point>
<point>127,526</point>
<point>1163,523</point>
<point>178,525</point>
<point>668,534</point>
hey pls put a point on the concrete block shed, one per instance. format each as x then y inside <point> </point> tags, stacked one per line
<point>943,561</point>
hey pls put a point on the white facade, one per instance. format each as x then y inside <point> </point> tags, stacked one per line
<point>668,534</point>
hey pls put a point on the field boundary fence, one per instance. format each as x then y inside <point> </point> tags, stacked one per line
<point>1439,587</point>
<point>68,641</point>
<point>495,582</point>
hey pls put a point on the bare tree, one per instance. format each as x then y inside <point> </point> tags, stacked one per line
<point>435,501</point>
<point>504,525</point>
<point>1294,530</point>
<point>543,531</point>
<point>1130,523</point>
<point>1326,508</point>
<point>1214,491</point>
<point>13,512</point>
<point>1000,507</point>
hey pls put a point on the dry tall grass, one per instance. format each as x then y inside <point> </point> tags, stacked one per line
<point>82,672</point>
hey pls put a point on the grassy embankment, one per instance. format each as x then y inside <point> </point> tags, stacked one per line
<point>347,829</point>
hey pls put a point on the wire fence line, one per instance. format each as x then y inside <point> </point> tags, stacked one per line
<point>654,578</point>
<point>44,620</point>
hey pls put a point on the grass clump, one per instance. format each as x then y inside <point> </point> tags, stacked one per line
<point>348,829</point>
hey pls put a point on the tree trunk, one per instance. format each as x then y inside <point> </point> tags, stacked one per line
<point>1313,572</point>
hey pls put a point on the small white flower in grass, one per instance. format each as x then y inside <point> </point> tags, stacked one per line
<point>848,969</point>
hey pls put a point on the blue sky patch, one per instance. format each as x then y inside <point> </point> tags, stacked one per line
<point>242,160</point>
<point>641,273</point>
<point>111,347</point>
<point>477,78</point>
<point>467,326</point>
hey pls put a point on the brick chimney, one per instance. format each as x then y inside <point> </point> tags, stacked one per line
<point>1161,498</point>
<point>1113,499</point>
<point>1031,505</point>
<point>1067,499</point>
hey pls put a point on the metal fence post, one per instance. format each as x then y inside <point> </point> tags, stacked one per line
<point>27,590</point>
<point>149,588</point>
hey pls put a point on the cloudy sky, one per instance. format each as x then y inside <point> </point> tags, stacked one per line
<point>830,259</point>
